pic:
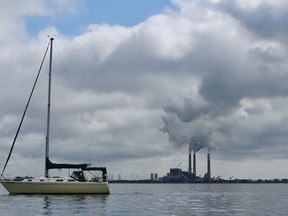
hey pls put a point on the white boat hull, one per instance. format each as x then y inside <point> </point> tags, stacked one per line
<point>25,187</point>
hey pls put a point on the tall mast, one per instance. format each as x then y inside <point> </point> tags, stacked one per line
<point>48,111</point>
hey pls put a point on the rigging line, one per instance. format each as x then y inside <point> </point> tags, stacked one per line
<point>79,108</point>
<point>30,96</point>
<point>22,167</point>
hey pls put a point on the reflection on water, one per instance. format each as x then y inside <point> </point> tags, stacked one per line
<point>46,201</point>
<point>75,204</point>
<point>157,199</point>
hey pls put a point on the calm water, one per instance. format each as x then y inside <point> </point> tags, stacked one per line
<point>158,199</point>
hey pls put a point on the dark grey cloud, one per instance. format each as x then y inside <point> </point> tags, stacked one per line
<point>266,20</point>
<point>235,71</point>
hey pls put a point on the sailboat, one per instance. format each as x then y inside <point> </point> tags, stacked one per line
<point>76,183</point>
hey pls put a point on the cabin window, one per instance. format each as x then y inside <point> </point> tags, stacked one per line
<point>78,176</point>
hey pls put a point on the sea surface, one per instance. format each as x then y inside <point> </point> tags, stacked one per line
<point>157,200</point>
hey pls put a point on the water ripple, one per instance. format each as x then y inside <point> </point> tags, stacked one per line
<point>158,199</point>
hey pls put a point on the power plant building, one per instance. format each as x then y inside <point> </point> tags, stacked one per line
<point>177,175</point>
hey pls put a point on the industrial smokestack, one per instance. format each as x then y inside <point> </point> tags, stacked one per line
<point>189,163</point>
<point>208,167</point>
<point>194,163</point>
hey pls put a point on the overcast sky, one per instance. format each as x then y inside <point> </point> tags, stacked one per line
<point>151,78</point>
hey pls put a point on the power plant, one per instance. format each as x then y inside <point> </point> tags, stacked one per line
<point>177,175</point>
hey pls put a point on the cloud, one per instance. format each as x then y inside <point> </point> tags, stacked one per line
<point>15,17</point>
<point>229,79</point>
<point>264,18</point>
<point>213,71</point>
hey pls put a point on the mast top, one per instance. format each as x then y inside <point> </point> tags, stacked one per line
<point>51,36</point>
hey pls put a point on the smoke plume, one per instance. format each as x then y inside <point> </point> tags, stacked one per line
<point>188,124</point>
<point>197,143</point>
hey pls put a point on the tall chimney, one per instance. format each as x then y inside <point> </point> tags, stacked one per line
<point>189,163</point>
<point>208,167</point>
<point>194,163</point>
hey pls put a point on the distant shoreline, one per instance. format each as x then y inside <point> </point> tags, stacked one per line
<point>222,181</point>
